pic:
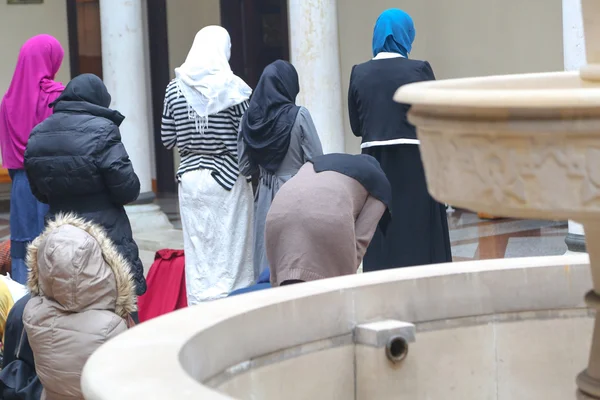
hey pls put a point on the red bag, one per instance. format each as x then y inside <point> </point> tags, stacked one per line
<point>166,285</point>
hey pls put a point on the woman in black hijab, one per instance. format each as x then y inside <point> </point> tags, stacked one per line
<point>277,137</point>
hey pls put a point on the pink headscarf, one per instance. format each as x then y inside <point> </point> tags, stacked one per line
<point>31,90</point>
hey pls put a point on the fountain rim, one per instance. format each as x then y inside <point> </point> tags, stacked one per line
<point>552,90</point>
<point>132,356</point>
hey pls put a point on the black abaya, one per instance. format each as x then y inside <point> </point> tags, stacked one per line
<point>418,233</point>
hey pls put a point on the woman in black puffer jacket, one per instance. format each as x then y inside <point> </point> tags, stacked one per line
<point>76,162</point>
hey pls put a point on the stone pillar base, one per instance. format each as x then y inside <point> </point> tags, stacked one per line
<point>583,396</point>
<point>589,388</point>
<point>151,228</point>
<point>575,239</point>
<point>575,243</point>
<point>146,218</point>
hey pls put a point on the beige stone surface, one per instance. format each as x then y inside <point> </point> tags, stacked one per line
<point>328,374</point>
<point>20,22</point>
<point>529,359</point>
<point>184,19</point>
<point>511,356</point>
<point>201,342</point>
<point>460,38</point>
<point>521,356</point>
<point>455,364</point>
<point>289,323</point>
<point>154,240</point>
<point>538,360</point>
<point>474,292</point>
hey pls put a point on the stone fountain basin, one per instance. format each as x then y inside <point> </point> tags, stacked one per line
<point>524,146</point>
<point>498,329</point>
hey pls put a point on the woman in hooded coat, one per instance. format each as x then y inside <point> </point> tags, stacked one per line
<point>25,105</point>
<point>203,109</point>
<point>277,138</point>
<point>82,294</point>
<point>418,234</point>
<point>76,162</point>
<point>323,219</point>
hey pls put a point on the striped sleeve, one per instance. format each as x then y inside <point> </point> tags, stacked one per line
<point>242,108</point>
<point>168,128</point>
<point>213,147</point>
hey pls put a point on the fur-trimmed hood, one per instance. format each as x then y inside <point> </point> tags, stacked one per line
<point>74,264</point>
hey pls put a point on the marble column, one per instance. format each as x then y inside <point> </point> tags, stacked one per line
<point>314,49</point>
<point>125,72</point>
<point>574,59</point>
<point>573,38</point>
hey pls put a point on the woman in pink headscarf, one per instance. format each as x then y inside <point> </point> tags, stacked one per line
<point>25,105</point>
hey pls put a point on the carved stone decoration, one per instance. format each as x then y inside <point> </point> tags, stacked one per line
<point>513,172</point>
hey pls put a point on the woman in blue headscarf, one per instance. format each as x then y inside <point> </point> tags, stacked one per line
<point>394,33</point>
<point>418,232</point>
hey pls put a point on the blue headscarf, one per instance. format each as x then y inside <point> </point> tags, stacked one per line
<point>394,33</point>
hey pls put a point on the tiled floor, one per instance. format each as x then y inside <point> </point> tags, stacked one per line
<point>473,238</point>
<point>170,206</point>
<point>476,239</point>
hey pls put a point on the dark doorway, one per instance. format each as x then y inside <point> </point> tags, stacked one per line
<point>259,35</point>
<point>160,77</point>
<point>85,42</point>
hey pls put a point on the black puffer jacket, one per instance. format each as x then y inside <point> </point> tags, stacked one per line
<point>76,162</point>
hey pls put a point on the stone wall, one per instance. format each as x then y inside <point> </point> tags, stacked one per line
<point>460,38</point>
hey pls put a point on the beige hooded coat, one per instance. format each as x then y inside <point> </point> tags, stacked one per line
<point>82,292</point>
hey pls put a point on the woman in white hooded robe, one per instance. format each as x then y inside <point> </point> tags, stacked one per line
<point>203,109</point>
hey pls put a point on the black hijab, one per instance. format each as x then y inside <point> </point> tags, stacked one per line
<point>268,122</point>
<point>87,93</point>
<point>367,171</point>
